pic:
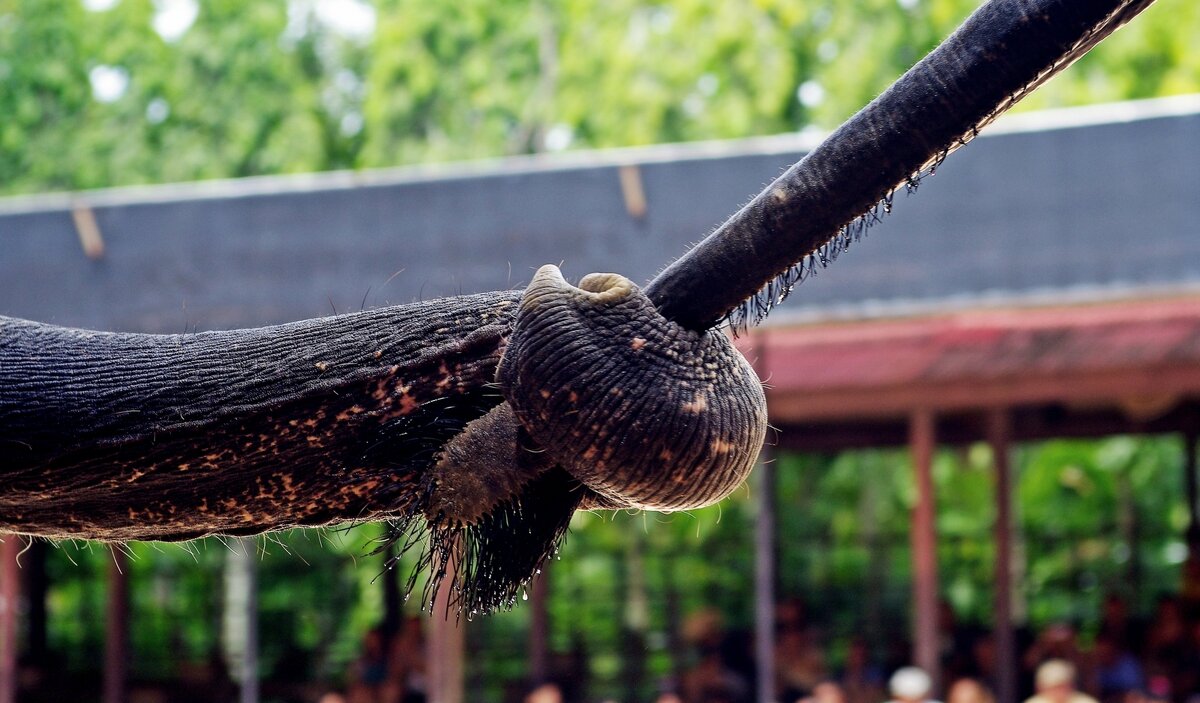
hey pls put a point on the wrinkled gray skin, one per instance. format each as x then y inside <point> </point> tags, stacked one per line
<point>487,419</point>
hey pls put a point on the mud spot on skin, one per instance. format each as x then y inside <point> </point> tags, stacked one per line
<point>408,404</point>
<point>322,366</point>
<point>721,446</point>
<point>445,377</point>
<point>697,405</point>
<point>637,344</point>
<point>348,413</point>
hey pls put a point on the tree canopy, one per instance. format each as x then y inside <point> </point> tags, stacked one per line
<point>105,93</point>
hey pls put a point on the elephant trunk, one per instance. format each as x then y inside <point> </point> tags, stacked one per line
<point>136,436</point>
<point>811,213</point>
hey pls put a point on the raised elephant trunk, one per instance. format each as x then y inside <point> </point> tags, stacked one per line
<point>485,421</point>
<point>821,205</point>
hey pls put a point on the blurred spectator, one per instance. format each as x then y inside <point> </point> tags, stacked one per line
<point>1055,683</point>
<point>799,661</point>
<point>545,693</point>
<point>861,680</point>
<point>983,660</point>
<point>1143,696</point>
<point>1055,642</point>
<point>954,643</point>
<point>711,680</point>
<point>910,685</point>
<point>1117,671</point>
<point>1116,624</point>
<point>406,664</point>
<point>1166,649</point>
<point>369,671</point>
<point>968,690</point>
<point>825,692</point>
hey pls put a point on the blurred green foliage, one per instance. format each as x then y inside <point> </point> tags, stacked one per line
<point>100,97</point>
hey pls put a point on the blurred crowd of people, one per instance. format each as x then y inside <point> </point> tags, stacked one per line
<point>390,669</point>
<point>1123,660</point>
<point>1126,660</point>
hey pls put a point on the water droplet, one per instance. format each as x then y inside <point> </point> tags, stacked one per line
<point>524,594</point>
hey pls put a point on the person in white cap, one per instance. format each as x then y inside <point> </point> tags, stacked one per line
<point>910,685</point>
<point>1055,682</point>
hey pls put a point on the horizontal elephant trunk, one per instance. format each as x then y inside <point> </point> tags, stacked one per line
<point>476,425</point>
<point>133,436</point>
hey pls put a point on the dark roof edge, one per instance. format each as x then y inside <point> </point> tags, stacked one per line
<point>867,310</point>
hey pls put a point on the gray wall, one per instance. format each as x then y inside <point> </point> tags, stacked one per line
<point>1067,211</point>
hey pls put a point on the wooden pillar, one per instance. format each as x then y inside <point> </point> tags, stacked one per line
<point>637,615</point>
<point>10,587</point>
<point>249,660</point>
<point>240,616</point>
<point>764,578</point>
<point>444,653</point>
<point>393,600</point>
<point>539,630</point>
<point>999,434</point>
<point>36,584</point>
<point>922,440</point>
<point>116,629</point>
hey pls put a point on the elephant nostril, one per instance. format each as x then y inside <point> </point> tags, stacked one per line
<point>607,286</point>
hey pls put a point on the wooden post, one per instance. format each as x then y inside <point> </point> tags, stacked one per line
<point>393,600</point>
<point>444,655</point>
<point>637,615</point>
<point>116,628</point>
<point>240,618</point>
<point>249,567</point>
<point>9,595</point>
<point>999,434</point>
<point>764,577</point>
<point>35,584</point>
<point>539,630</point>
<point>922,441</point>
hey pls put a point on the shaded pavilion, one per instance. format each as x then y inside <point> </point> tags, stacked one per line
<point>1000,376</point>
<point>1046,283</point>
